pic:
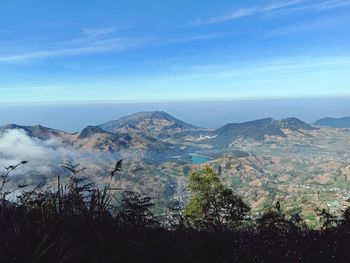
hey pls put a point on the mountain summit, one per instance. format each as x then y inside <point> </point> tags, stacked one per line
<point>256,130</point>
<point>151,123</point>
<point>89,131</point>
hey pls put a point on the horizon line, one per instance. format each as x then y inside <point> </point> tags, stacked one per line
<point>189,100</point>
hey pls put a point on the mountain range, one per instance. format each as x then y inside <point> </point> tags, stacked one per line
<point>159,137</point>
<point>264,160</point>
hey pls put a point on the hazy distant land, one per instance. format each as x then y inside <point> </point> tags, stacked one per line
<point>73,117</point>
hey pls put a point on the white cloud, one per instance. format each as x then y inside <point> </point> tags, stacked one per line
<point>17,144</point>
<point>288,66</point>
<point>286,5</point>
<point>190,39</point>
<point>300,28</point>
<point>95,41</point>
<point>245,12</point>
<point>103,31</point>
<point>97,32</point>
<point>83,48</point>
<point>322,6</point>
<point>44,157</point>
<point>91,41</point>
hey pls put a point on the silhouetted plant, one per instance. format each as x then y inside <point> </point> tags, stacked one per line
<point>4,178</point>
<point>80,222</point>
<point>276,222</point>
<point>327,219</point>
<point>346,215</point>
<point>173,218</point>
<point>134,210</point>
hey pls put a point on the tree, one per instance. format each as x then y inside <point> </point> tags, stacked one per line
<point>276,223</point>
<point>134,210</point>
<point>213,205</point>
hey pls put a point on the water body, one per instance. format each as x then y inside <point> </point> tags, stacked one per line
<point>74,117</point>
<point>200,159</point>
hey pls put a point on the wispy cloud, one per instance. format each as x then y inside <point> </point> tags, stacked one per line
<point>91,41</point>
<point>103,31</point>
<point>287,66</point>
<point>97,32</point>
<point>193,38</point>
<point>322,6</point>
<point>112,45</point>
<point>245,12</point>
<point>279,6</point>
<point>270,70</point>
<point>301,28</point>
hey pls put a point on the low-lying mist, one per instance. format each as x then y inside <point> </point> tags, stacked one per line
<point>45,158</point>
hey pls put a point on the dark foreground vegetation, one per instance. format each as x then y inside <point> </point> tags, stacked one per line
<point>79,222</point>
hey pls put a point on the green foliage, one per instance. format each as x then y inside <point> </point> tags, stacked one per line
<point>212,204</point>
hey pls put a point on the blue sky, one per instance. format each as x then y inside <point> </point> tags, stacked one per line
<point>156,50</point>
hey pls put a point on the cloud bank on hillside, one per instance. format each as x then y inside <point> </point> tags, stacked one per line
<point>44,157</point>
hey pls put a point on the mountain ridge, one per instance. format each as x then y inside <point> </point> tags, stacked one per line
<point>165,137</point>
<point>343,122</point>
<point>257,130</point>
<point>37,131</point>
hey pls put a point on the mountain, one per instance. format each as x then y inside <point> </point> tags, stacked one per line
<point>294,124</point>
<point>94,139</point>
<point>151,123</point>
<point>256,130</point>
<point>159,137</point>
<point>90,131</point>
<point>134,145</point>
<point>37,131</point>
<point>334,122</point>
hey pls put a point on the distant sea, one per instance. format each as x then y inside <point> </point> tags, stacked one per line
<point>211,114</point>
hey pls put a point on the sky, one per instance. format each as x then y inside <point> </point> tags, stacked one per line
<point>156,50</point>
